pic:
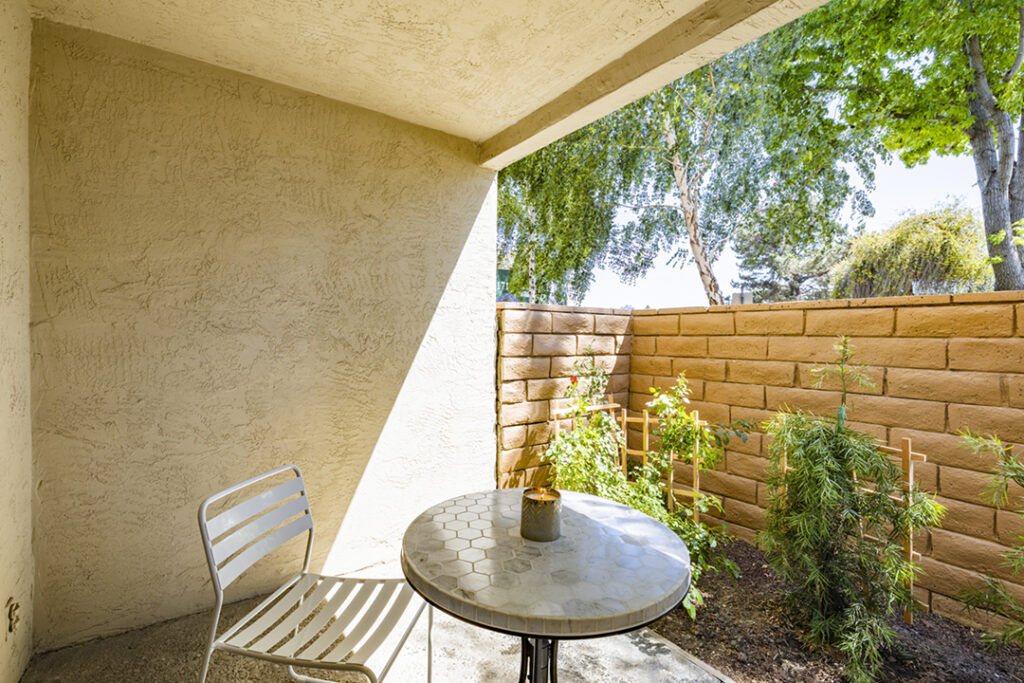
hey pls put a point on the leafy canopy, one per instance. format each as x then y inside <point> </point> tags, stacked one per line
<point>900,66</point>
<point>941,251</point>
<point>749,156</point>
<point>931,76</point>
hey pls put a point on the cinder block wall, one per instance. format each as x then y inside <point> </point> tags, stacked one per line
<point>940,363</point>
<point>537,348</point>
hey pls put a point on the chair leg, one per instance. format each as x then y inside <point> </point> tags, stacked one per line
<point>430,647</point>
<point>206,665</point>
<point>213,638</point>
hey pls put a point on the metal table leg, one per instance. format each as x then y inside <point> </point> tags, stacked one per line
<point>538,661</point>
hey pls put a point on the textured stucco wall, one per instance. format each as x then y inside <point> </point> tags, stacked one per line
<point>15,429</point>
<point>229,275</point>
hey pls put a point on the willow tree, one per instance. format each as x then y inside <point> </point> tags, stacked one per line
<point>931,76</point>
<point>940,251</point>
<point>678,171</point>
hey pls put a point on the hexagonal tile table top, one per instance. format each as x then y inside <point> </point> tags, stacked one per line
<point>613,569</point>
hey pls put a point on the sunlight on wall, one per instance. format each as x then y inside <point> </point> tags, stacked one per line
<point>438,440</point>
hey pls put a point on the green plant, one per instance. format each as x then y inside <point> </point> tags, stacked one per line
<point>586,460</point>
<point>993,595</point>
<point>838,541</point>
<point>939,251</point>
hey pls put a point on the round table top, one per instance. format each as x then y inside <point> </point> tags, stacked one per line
<point>612,569</point>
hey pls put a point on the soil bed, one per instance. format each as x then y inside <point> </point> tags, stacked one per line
<point>745,631</point>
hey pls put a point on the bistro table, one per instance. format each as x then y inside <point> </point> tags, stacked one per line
<point>612,570</point>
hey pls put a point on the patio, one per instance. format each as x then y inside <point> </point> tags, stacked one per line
<point>170,651</point>
<point>245,234</point>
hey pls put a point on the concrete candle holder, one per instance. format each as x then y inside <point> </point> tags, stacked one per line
<point>541,515</point>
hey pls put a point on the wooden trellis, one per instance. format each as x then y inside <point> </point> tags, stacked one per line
<point>906,456</point>
<point>646,422</point>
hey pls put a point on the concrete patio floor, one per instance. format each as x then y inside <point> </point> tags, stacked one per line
<point>170,652</point>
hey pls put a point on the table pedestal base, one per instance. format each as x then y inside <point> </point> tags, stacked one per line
<point>539,661</point>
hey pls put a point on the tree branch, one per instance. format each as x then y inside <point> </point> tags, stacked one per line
<point>1017,179</point>
<point>1020,48</point>
<point>981,84</point>
<point>995,116</point>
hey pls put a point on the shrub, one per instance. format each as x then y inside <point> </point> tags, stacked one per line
<point>586,460</point>
<point>993,595</point>
<point>839,543</point>
<point>940,251</point>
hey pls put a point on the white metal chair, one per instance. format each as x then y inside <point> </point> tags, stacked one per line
<point>313,621</point>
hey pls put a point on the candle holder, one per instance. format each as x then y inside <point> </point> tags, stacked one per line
<point>541,515</point>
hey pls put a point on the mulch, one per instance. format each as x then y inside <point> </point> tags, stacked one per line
<point>746,631</point>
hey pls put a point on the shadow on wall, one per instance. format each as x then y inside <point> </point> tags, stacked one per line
<point>228,275</point>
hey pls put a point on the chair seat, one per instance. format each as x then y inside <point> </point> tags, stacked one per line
<point>324,622</point>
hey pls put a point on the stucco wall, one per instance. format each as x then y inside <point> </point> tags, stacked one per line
<point>231,275</point>
<point>15,429</point>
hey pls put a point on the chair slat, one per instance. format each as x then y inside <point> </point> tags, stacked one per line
<point>273,612</point>
<point>255,622</point>
<point>316,649</point>
<point>306,633</point>
<point>259,549</point>
<point>234,516</point>
<point>298,615</point>
<point>385,624</point>
<point>245,535</point>
<point>366,622</point>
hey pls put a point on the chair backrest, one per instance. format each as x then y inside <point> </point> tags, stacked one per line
<point>242,535</point>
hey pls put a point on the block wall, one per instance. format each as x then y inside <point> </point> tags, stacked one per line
<point>537,349</point>
<point>939,363</point>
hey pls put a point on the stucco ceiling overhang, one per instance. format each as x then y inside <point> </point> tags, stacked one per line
<point>511,75</point>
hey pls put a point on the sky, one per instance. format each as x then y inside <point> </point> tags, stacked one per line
<point>898,191</point>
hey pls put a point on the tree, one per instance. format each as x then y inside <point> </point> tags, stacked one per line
<point>931,76</point>
<point>692,160</point>
<point>775,269</point>
<point>940,251</point>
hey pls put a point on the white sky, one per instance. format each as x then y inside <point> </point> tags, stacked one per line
<point>898,190</point>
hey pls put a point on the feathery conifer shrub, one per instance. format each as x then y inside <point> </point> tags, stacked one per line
<point>993,595</point>
<point>834,530</point>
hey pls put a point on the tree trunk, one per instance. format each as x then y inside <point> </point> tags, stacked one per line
<point>700,256</point>
<point>992,141</point>
<point>1017,189</point>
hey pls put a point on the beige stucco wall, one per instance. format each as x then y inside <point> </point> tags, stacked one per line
<point>15,430</point>
<point>229,275</point>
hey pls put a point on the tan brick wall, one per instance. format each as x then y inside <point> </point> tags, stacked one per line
<point>537,346</point>
<point>940,363</point>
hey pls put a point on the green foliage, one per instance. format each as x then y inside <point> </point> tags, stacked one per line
<point>993,594</point>
<point>819,520</point>
<point>751,156</point>
<point>941,251</point>
<point>904,69</point>
<point>585,460</point>
<point>775,268</point>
